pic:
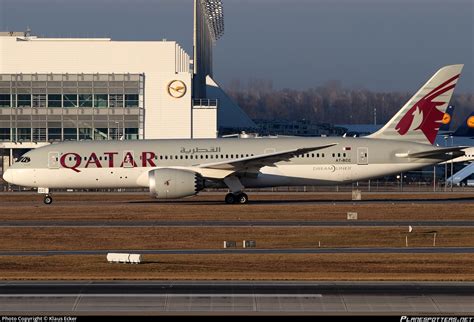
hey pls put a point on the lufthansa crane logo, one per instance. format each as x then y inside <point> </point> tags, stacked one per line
<point>446,118</point>
<point>176,89</point>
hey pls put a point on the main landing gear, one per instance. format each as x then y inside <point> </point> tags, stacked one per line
<point>48,200</point>
<point>239,198</point>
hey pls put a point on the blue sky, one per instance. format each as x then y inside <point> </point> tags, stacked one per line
<point>381,45</point>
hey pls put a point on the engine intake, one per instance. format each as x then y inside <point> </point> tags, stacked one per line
<point>174,183</point>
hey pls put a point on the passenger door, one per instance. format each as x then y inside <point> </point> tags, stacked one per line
<point>362,156</point>
<point>53,160</point>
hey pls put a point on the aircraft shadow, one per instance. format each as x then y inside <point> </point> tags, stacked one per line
<point>305,201</point>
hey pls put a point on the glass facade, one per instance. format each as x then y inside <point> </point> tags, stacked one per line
<point>56,107</point>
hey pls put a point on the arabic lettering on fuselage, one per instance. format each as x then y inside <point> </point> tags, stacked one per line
<point>200,150</point>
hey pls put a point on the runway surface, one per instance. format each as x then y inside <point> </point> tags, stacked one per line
<point>234,223</point>
<point>361,250</point>
<point>171,297</point>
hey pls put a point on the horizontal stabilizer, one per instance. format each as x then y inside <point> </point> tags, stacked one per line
<point>434,153</point>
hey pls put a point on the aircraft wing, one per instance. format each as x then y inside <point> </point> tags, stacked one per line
<point>456,151</point>
<point>259,161</point>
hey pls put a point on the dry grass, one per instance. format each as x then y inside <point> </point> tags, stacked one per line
<point>98,238</point>
<point>420,267</point>
<point>310,206</point>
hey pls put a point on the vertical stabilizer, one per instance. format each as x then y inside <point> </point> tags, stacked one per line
<point>420,118</point>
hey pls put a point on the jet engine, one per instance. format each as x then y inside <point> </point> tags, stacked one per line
<point>174,183</point>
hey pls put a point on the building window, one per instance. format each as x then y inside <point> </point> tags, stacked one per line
<point>100,100</point>
<point>24,100</point>
<point>54,100</point>
<point>39,100</point>
<point>131,133</point>
<point>85,134</point>
<point>116,100</point>
<point>85,100</point>
<point>131,100</point>
<point>101,134</point>
<point>70,100</point>
<point>54,134</point>
<point>70,134</point>
<point>24,134</point>
<point>5,100</point>
<point>39,134</point>
<point>5,134</point>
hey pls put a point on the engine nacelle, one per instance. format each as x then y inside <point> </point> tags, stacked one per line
<point>174,183</point>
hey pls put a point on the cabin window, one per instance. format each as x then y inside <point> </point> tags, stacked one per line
<point>24,160</point>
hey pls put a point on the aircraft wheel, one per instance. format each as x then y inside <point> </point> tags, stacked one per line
<point>48,200</point>
<point>230,198</point>
<point>242,198</point>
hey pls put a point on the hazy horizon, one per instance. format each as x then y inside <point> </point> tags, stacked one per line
<point>391,45</point>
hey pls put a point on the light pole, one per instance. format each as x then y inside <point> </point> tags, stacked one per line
<point>117,130</point>
<point>452,143</point>
<point>445,166</point>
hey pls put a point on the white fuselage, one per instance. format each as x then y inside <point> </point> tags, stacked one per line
<point>120,164</point>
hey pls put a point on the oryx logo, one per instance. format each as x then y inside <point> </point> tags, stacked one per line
<point>425,115</point>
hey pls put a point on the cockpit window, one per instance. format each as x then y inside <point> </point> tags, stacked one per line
<point>24,160</point>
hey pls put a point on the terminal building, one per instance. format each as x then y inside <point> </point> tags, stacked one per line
<point>56,89</point>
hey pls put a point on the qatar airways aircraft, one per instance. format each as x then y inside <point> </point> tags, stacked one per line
<point>181,168</point>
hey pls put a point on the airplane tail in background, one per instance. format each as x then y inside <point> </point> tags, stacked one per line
<point>447,118</point>
<point>420,118</point>
<point>466,128</point>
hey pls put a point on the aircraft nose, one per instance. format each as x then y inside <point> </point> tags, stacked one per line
<point>8,176</point>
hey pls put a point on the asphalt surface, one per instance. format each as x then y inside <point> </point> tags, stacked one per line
<point>235,223</point>
<point>231,297</point>
<point>368,250</point>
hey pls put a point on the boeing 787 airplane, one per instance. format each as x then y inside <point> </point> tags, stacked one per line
<point>182,168</point>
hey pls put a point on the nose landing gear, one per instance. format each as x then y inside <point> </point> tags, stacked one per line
<point>48,200</point>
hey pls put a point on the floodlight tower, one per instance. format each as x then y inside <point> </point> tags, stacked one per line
<point>208,28</point>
